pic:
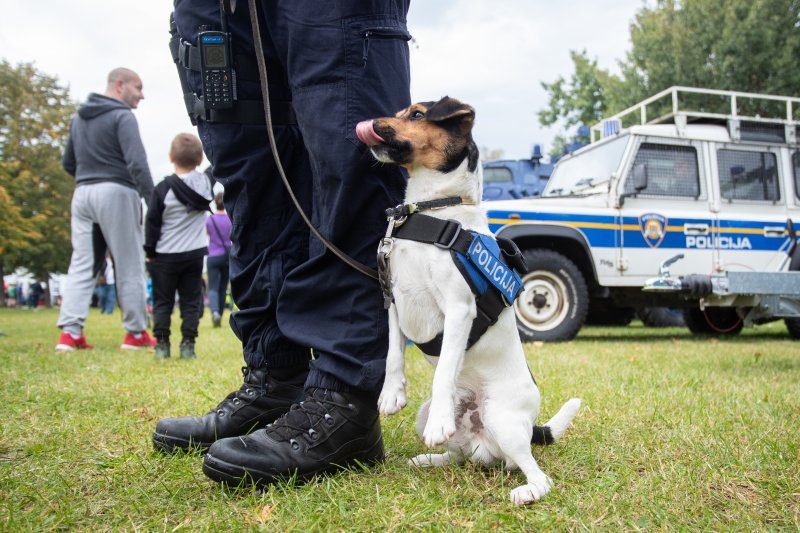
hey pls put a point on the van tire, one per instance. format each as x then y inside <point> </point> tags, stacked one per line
<point>713,321</point>
<point>603,312</point>
<point>555,301</point>
<point>793,325</point>
<point>661,317</point>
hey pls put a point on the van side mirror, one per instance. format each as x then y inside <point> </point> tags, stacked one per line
<point>639,179</point>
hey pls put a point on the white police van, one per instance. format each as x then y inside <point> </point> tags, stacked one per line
<point>713,178</point>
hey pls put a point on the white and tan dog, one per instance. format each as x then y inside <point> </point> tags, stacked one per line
<point>484,402</point>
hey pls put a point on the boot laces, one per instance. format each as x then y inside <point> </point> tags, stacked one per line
<point>247,392</point>
<point>303,417</point>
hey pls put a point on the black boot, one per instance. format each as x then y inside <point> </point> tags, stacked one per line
<point>260,400</point>
<point>327,431</point>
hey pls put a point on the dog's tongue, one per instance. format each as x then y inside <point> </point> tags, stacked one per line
<point>366,133</point>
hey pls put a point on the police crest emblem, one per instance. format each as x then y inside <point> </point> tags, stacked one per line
<point>654,228</point>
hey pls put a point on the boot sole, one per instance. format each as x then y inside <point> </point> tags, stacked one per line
<point>240,476</point>
<point>169,444</point>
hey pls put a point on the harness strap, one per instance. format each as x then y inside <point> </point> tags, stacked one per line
<point>448,235</point>
<point>489,306</point>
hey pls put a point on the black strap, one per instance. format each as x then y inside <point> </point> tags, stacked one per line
<point>446,234</point>
<point>189,57</point>
<point>408,209</point>
<point>186,195</point>
<point>245,111</point>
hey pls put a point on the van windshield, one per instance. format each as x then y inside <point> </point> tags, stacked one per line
<point>580,173</point>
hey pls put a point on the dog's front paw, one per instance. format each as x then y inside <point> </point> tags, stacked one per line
<point>393,397</point>
<point>440,427</point>
<point>531,492</point>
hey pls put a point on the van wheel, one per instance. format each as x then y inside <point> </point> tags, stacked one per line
<point>603,312</point>
<point>661,317</point>
<point>555,301</point>
<point>713,321</point>
<point>793,325</point>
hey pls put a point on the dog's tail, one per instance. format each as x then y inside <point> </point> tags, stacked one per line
<point>556,426</point>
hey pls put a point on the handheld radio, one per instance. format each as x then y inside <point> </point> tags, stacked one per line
<point>215,68</point>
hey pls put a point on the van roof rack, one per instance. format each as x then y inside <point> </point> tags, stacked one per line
<point>749,116</point>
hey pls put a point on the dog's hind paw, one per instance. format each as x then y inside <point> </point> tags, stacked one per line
<point>392,398</point>
<point>430,459</point>
<point>531,492</point>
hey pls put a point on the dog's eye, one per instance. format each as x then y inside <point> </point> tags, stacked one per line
<point>417,115</point>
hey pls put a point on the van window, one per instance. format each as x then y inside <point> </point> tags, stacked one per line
<point>671,171</point>
<point>748,175</point>
<point>796,165</point>
<point>497,175</point>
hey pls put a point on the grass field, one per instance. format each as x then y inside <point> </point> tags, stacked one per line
<point>676,432</point>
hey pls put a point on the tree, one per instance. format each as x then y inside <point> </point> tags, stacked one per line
<point>585,98</point>
<point>741,45</point>
<point>35,192</point>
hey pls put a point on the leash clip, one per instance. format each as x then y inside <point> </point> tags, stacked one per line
<point>386,246</point>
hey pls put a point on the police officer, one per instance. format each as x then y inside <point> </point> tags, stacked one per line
<point>330,65</point>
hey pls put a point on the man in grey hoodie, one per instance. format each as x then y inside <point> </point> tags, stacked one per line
<point>105,154</point>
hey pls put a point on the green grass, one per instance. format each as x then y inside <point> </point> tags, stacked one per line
<point>676,432</point>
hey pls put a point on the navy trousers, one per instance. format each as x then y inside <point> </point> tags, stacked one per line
<point>337,63</point>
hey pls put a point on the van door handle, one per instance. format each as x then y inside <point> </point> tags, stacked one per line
<point>695,229</point>
<point>774,231</point>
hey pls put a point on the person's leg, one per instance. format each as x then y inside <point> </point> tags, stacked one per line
<point>268,240</point>
<point>223,285</point>
<point>166,278</point>
<point>333,88</point>
<point>112,297</point>
<point>190,297</point>
<point>214,274</point>
<point>78,286</point>
<point>119,213</point>
<point>350,329</point>
<point>214,264</point>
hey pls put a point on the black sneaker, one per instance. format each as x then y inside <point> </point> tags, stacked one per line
<point>187,350</point>
<point>328,431</point>
<point>162,350</point>
<point>259,401</point>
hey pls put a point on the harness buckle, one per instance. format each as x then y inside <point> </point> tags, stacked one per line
<point>386,246</point>
<point>450,244</point>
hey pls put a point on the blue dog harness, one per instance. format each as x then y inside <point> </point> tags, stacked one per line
<point>488,265</point>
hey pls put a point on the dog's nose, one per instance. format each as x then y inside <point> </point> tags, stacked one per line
<point>366,133</point>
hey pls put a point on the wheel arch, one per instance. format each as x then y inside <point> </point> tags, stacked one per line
<point>566,240</point>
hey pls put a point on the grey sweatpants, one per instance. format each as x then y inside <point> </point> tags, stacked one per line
<point>118,211</point>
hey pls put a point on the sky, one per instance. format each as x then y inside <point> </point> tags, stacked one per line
<point>491,54</point>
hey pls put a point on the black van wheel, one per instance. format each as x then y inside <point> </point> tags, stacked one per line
<point>713,321</point>
<point>661,317</point>
<point>793,325</point>
<point>554,304</point>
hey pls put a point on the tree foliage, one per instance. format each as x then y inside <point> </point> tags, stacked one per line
<point>739,45</point>
<point>35,192</point>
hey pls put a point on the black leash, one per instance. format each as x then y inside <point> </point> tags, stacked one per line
<point>262,74</point>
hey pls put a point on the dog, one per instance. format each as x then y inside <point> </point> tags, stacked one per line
<point>484,402</point>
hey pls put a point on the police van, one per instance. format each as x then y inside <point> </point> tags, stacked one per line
<point>688,182</point>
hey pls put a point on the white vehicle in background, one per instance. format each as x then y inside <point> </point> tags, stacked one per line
<point>709,180</point>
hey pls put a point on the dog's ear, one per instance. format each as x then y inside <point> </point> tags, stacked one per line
<point>449,109</point>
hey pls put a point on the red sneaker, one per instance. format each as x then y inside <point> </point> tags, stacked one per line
<point>66,343</point>
<point>130,342</point>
